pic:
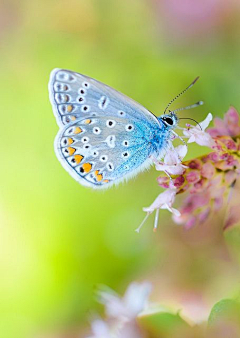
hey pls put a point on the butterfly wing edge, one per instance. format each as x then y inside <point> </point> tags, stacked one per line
<point>51,96</point>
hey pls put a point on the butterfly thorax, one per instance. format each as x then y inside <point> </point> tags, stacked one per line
<point>161,137</point>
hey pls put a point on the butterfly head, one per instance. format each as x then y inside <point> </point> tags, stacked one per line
<point>169,121</point>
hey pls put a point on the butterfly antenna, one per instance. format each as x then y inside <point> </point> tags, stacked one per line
<point>184,91</point>
<point>197,104</point>
<point>189,118</point>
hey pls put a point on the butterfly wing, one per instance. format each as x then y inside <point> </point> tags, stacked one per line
<point>101,151</point>
<point>75,96</point>
<point>105,136</point>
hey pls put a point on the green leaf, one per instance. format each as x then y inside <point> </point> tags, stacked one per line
<point>232,238</point>
<point>224,311</point>
<point>163,324</point>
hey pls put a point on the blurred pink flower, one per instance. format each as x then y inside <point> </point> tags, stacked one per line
<point>200,19</point>
<point>229,126</point>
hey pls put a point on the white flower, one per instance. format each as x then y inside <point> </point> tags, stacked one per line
<point>130,305</point>
<point>198,135</point>
<point>172,163</point>
<point>164,201</point>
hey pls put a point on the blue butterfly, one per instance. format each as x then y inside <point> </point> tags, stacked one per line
<point>105,137</point>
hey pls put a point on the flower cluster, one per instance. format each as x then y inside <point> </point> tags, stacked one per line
<point>207,180</point>
<point>122,312</point>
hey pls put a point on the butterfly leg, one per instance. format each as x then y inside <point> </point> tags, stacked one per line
<point>179,137</point>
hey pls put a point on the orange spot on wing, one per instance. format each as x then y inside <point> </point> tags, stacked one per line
<point>87,167</point>
<point>73,118</point>
<point>78,158</point>
<point>69,108</point>
<point>99,177</point>
<point>71,150</point>
<point>87,121</point>
<point>106,181</point>
<point>70,141</point>
<point>77,130</point>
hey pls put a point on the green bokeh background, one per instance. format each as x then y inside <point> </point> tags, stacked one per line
<point>58,240</point>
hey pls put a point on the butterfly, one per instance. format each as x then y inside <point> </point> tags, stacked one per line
<point>105,137</point>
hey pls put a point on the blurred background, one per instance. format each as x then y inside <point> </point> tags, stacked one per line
<point>59,240</point>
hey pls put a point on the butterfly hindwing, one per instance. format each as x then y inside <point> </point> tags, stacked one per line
<point>101,151</point>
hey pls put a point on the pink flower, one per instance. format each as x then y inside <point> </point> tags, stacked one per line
<point>229,126</point>
<point>164,201</point>
<point>233,216</point>
<point>198,135</point>
<point>172,163</point>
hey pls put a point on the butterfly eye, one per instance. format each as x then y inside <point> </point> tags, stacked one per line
<point>169,121</point>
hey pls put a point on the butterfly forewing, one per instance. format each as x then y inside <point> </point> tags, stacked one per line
<point>75,96</point>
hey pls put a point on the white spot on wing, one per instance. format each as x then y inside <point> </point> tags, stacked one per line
<point>110,123</point>
<point>111,141</point>
<point>103,102</point>
<point>103,158</point>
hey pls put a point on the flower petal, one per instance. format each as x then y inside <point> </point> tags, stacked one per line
<point>204,124</point>
<point>165,198</point>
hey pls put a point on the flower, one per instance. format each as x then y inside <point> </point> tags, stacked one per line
<point>130,305</point>
<point>164,201</point>
<point>100,329</point>
<point>229,126</point>
<point>122,312</point>
<point>172,163</point>
<point>208,180</point>
<point>197,134</point>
